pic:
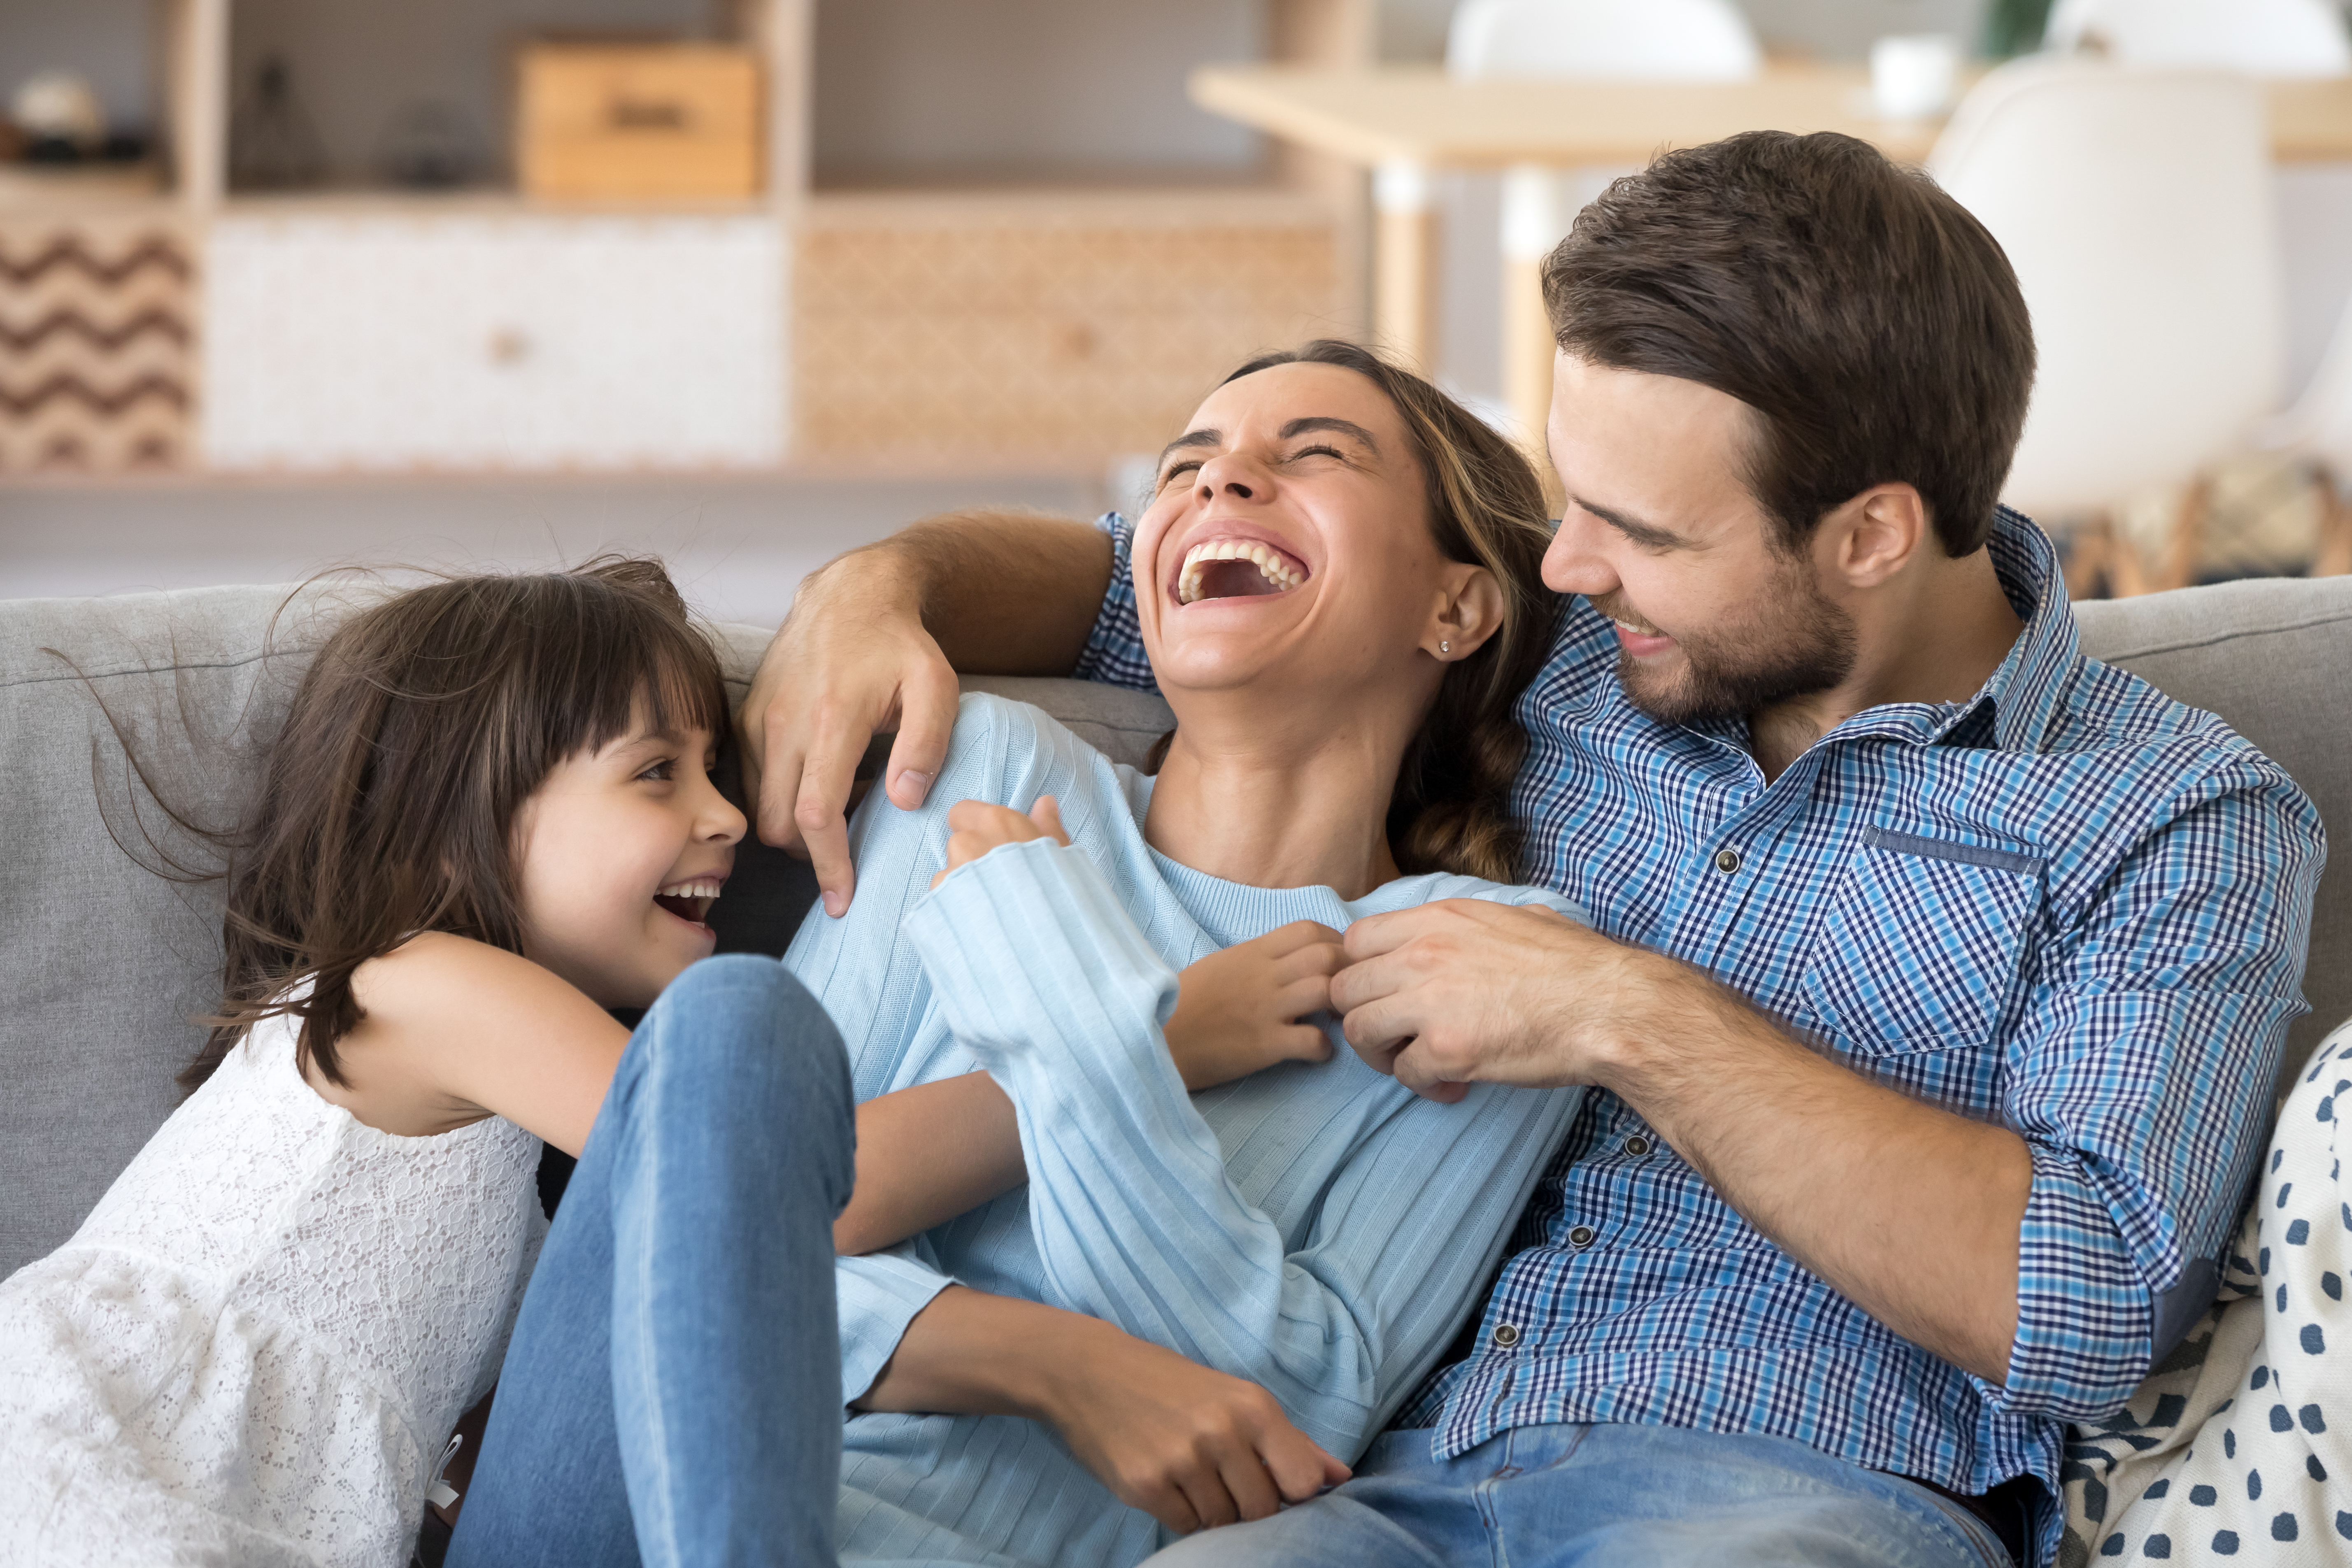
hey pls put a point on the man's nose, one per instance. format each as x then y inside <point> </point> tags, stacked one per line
<point>1574,563</point>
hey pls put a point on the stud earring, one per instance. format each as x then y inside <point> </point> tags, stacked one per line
<point>1445,648</point>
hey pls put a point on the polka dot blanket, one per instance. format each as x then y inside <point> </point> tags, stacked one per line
<point>2239,1445</point>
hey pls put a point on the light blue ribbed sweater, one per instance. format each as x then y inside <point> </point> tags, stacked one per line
<point>1313,1228</point>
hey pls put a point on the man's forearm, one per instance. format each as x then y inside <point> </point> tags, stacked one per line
<point>1001,592</point>
<point>1907,1210</point>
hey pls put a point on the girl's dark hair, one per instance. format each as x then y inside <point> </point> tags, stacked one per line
<point>1451,807</point>
<point>388,799</point>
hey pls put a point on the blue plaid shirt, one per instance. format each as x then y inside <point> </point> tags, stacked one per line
<point>2070,905</point>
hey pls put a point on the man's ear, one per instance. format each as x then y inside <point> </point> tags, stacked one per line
<point>1469,611</point>
<point>1876,534</point>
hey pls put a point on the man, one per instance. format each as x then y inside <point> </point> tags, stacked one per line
<point>1940,973</point>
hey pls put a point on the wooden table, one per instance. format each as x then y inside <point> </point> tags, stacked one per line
<point>1404,122</point>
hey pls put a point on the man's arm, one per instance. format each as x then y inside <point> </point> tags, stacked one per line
<point>1912,1213</point>
<point>1190,1447</point>
<point>873,642</point>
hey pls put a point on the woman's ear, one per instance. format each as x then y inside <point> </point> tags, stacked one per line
<point>1469,611</point>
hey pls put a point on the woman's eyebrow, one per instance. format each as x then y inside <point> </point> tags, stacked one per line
<point>1194,439</point>
<point>1347,427</point>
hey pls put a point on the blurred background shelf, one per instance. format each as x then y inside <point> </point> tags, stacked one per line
<point>1041,276</point>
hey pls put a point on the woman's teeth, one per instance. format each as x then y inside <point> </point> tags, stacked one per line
<point>690,900</point>
<point>1272,565</point>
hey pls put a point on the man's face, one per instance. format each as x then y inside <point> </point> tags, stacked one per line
<point>1660,532</point>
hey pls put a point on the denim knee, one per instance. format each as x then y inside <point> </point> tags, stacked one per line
<point>729,1023</point>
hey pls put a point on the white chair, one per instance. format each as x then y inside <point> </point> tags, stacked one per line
<point>2318,427</point>
<point>2260,37</point>
<point>2136,207</point>
<point>1663,40</point>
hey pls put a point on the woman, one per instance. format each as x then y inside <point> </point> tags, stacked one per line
<point>1339,589</point>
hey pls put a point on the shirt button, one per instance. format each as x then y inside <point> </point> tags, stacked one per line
<point>1507,1334</point>
<point>1581,1236</point>
<point>1637,1147</point>
<point>1727,859</point>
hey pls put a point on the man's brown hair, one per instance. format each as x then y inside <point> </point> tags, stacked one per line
<point>1868,319</point>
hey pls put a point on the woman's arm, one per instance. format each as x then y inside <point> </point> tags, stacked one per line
<point>929,1154</point>
<point>1044,977</point>
<point>1190,1447</point>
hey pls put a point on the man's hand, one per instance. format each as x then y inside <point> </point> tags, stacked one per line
<point>1240,1008</point>
<point>1464,991</point>
<point>873,644</point>
<point>1190,1447</point>
<point>977,827</point>
<point>1912,1212</point>
<point>850,662</point>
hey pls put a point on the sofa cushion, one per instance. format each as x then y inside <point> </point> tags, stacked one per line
<point>2274,658</point>
<point>108,963</point>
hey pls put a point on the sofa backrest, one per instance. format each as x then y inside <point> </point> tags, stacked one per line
<point>107,962</point>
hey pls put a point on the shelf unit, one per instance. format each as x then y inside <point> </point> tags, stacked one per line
<point>1025,320</point>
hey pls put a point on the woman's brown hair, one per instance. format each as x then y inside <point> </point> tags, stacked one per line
<point>1451,807</point>
<point>389,795</point>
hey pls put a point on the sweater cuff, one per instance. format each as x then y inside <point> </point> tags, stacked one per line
<point>877,1296</point>
<point>1030,935</point>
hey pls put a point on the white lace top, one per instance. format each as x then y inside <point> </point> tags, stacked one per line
<point>255,1346</point>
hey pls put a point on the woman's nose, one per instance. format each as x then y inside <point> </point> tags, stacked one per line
<point>1230,474</point>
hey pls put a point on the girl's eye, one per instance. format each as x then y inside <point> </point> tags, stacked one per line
<point>1316,451</point>
<point>1175,468</point>
<point>661,771</point>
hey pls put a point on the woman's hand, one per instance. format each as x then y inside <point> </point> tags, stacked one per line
<point>1190,1447</point>
<point>975,827</point>
<point>1239,1010</point>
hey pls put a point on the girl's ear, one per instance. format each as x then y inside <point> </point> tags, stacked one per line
<point>1469,611</point>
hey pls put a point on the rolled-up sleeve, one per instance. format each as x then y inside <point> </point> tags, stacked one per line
<point>1114,652</point>
<point>2142,1077</point>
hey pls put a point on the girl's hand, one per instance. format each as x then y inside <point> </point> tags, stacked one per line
<point>1239,1010</point>
<point>975,827</point>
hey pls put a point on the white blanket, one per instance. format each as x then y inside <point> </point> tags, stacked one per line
<point>2239,1445</point>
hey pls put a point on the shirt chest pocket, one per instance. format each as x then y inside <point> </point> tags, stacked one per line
<point>1919,946</point>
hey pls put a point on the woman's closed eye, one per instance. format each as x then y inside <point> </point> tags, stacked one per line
<point>1193,464</point>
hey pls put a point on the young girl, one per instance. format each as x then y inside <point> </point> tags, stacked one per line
<point>488,817</point>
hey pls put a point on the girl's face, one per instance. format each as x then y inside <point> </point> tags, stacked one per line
<point>621,852</point>
<point>1288,544</point>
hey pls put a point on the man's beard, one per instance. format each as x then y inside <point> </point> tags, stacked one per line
<point>1771,655</point>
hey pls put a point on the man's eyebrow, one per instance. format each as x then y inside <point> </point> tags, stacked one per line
<point>1337,427</point>
<point>1633,528</point>
<point>1194,439</point>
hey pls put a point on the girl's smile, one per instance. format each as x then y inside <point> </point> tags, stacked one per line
<point>620,855</point>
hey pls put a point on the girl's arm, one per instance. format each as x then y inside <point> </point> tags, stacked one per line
<point>456,1030</point>
<point>1044,977</point>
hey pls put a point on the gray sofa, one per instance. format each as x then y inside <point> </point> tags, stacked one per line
<point>107,961</point>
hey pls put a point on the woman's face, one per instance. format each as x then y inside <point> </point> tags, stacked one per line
<point>1288,540</point>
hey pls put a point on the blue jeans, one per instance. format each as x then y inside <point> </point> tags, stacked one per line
<point>1619,1496</point>
<point>672,1393</point>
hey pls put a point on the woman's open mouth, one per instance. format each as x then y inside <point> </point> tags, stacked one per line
<point>1236,569</point>
<point>689,901</point>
